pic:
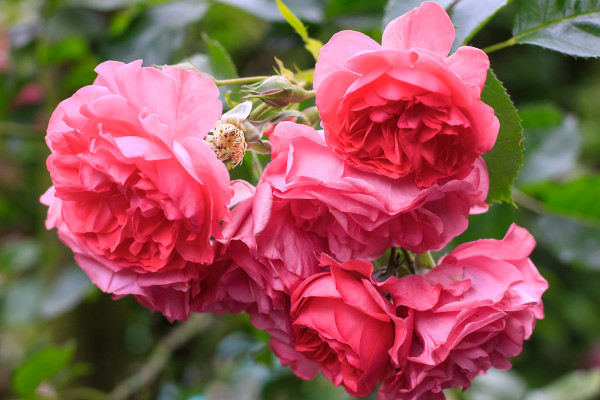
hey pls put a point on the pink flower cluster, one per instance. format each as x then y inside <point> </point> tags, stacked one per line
<point>149,210</point>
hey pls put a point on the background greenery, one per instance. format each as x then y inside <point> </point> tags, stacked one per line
<point>61,338</point>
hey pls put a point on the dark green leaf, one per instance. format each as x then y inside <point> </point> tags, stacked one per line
<point>308,10</point>
<point>469,16</point>
<point>103,5</point>
<point>158,32</point>
<point>75,22</point>
<point>71,49</point>
<point>21,302</point>
<point>550,153</point>
<point>571,241</point>
<point>19,255</point>
<point>221,65</point>
<point>577,385</point>
<point>40,367</point>
<point>67,290</point>
<point>505,158</point>
<point>568,26</point>
<point>578,197</point>
<point>540,116</point>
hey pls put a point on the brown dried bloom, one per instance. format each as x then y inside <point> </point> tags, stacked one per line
<point>228,142</point>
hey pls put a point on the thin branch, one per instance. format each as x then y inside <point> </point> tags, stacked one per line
<point>390,269</point>
<point>408,262</point>
<point>159,358</point>
<point>240,81</point>
<point>501,45</point>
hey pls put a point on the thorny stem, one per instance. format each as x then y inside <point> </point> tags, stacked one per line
<point>159,358</point>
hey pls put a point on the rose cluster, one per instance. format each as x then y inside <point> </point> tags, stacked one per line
<point>143,198</point>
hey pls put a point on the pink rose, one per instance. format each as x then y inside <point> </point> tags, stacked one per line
<point>361,214</point>
<point>346,325</point>
<point>257,274</point>
<point>403,108</point>
<point>137,192</point>
<point>475,310</point>
<point>30,94</point>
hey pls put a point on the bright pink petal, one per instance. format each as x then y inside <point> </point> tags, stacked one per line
<point>470,64</point>
<point>242,191</point>
<point>341,47</point>
<point>198,102</point>
<point>426,27</point>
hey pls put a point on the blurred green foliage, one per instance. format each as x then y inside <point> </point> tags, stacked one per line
<point>60,338</point>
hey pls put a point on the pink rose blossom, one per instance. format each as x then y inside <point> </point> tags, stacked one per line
<point>403,108</point>
<point>257,274</point>
<point>473,311</point>
<point>137,192</point>
<point>30,94</point>
<point>342,322</point>
<point>361,214</point>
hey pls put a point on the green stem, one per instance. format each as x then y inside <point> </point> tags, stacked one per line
<point>390,269</point>
<point>257,169</point>
<point>240,81</point>
<point>513,40</point>
<point>528,202</point>
<point>408,262</point>
<point>425,260</point>
<point>501,45</point>
<point>258,111</point>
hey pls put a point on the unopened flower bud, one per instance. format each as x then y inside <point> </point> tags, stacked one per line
<point>278,91</point>
<point>311,114</point>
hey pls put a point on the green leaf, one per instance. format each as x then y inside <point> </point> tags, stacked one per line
<point>312,45</point>
<point>578,198</point>
<point>40,367</point>
<point>221,65</point>
<point>157,33</point>
<point>567,26</point>
<point>103,5</point>
<point>66,291</point>
<point>577,385</point>
<point>308,10</point>
<point>505,158</point>
<point>540,116</point>
<point>468,16</point>
<point>550,153</point>
<point>292,20</point>
<point>573,242</point>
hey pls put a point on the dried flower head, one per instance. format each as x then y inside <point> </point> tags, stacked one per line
<point>228,142</point>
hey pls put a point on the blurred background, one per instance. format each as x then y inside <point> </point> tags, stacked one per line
<point>61,338</point>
